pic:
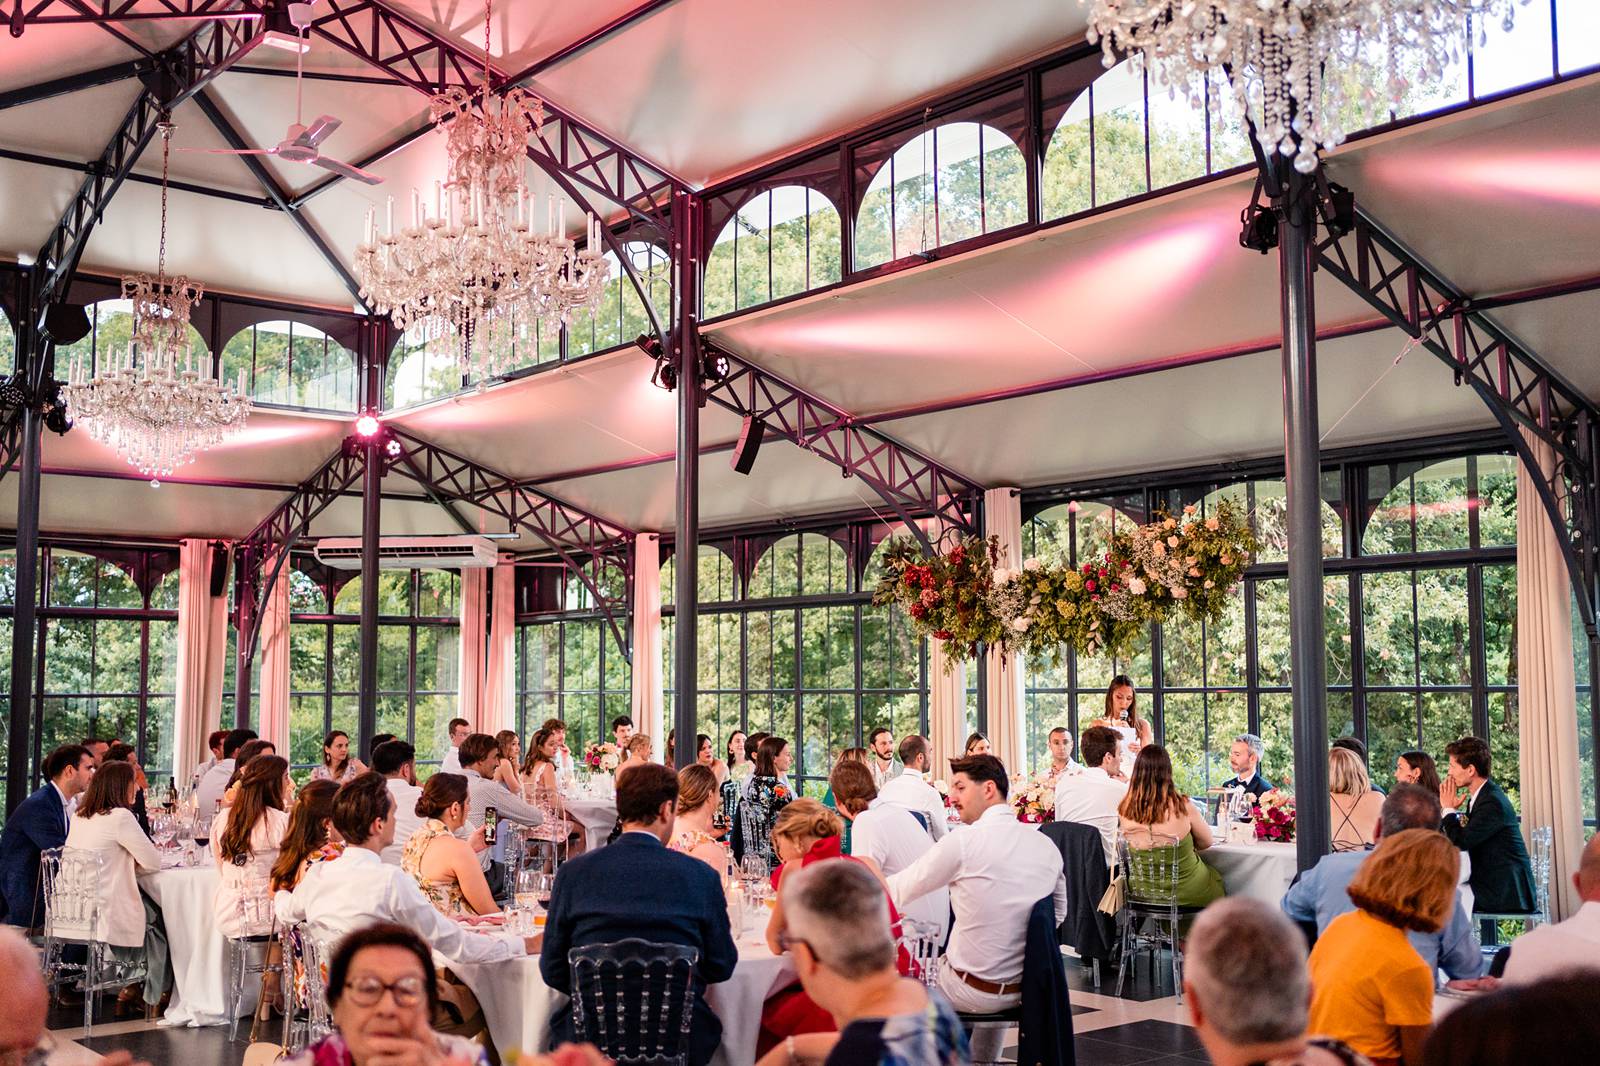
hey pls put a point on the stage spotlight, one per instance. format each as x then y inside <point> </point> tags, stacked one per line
<point>56,420</point>
<point>368,426</point>
<point>715,367</point>
<point>393,448</point>
<point>1260,228</point>
<point>649,345</point>
<point>12,393</point>
<point>665,375</point>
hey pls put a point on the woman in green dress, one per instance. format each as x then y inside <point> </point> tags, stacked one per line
<point>1154,808</point>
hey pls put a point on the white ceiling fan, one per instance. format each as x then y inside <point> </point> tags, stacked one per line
<point>301,143</point>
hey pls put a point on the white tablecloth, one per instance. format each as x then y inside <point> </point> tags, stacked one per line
<point>597,815</point>
<point>517,1004</point>
<point>186,898</point>
<point>1260,871</point>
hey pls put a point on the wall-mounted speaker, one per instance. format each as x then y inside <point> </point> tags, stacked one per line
<point>66,323</point>
<point>219,569</point>
<point>750,434</point>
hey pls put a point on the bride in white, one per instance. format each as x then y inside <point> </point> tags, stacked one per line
<point>1122,715</point>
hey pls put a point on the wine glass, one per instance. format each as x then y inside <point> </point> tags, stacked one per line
<point>526,890</point>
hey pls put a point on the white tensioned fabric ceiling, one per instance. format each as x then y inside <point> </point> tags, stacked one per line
<point>1499,198</point>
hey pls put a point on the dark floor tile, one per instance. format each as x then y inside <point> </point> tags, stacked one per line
<point>1079,1008</point>
<point>165,1046</point>
<point>1109,1053</point>
<point>63,1016</point>
<point>1165,1038</point>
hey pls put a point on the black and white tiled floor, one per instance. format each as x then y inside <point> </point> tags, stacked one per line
<point>1145,1026</point>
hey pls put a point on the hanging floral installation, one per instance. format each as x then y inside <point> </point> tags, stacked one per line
<point>966,597</point>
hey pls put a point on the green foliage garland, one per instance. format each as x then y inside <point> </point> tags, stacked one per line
<point>966,597</point>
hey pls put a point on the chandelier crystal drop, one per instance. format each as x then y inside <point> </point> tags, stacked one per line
<point>478,271</point>
<point>1293,65</point>
<point>153,401</point>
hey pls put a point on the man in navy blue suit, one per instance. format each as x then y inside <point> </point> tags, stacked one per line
<point>38,824</point>
<point>636,887</point>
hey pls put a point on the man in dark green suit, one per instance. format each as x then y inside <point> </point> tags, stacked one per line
<point>1485,827</point>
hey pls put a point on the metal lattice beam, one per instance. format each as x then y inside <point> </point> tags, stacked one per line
<point>25,13</point>
<point>908,481</point>
<point>1522,390</point>
<point>88,79</point>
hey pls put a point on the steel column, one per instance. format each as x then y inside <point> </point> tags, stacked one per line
<point>249,573</point>
<point>1302,469</point>
<point>27,600</point>
<point>371,521</point>
<point>685,351</point>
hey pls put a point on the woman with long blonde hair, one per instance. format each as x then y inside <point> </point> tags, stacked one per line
<point>1155,811</point>
<point>1355,805</point>
<point>697,804</point>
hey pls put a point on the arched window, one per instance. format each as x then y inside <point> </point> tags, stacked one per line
<point>781,242</point>
<point>110,335</point>
<point>957,181</point>
<point>713,573</point>
<point>292,364</point>
<point>8,345</point>
<point>620,316</point>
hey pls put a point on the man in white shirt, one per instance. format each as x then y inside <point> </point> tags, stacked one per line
<point>359,889</point>
<point>911,789</point>
<point>1093,796</point>
<point>888,836</point>
<point>996,871</point>
<point>208,795</point>
<point>1569,945</point>
<point>214,744</point>
<point>396,761</point>
<point>1061,760</point>
<point>880,745</point>
<point>458,730</point>
<point>479,757</point>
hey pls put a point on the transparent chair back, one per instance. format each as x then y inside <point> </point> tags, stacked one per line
<point>1150,861</point>
<point>1541,845</point>
<point>72,879</point>
<point>633,999</point>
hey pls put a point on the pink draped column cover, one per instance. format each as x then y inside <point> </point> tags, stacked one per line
<point>474,644</point>
<point>1546,688</point>
<point>499,686</point>
<point>202,655</point>
<point>272,721</point>
<point>648,703</point>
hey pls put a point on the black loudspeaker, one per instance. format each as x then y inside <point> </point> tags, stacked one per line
<point>750,434</point>
<point>219,569</point>
<point>66,323</point>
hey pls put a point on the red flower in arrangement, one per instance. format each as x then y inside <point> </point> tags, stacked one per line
<point>929,597</point>
<point>942,634</point>
<point>918,611</point>
<point>1095,598</point>
<point>1103,573</point>
<point>1115,587</point>
<point>1089,584</point>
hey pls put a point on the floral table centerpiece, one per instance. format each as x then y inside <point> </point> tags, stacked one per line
<point>1034,801</point>
<point>1273,815</point>
<point>602,758</point>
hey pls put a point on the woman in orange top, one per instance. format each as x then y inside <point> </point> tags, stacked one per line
<point>1370,987</point>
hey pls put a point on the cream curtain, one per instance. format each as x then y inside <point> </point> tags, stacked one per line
<point>1002,679</point>
<point>474,645</point>
<point>499,686</point>
<point>648,709</point>
<point>272,720</point>
<point>1546,688</point>
<point>947,708</point>
<point>202,651</point>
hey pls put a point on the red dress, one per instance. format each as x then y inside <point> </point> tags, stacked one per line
<point>791,1012</point>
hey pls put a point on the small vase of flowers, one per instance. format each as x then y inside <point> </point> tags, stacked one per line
<point>601,758</point>
<point>1034,801</point>
<point>1273,815</point>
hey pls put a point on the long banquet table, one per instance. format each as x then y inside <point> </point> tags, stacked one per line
<point>517,1004</point>
<point>185,896</point>
<point>1260,871</point>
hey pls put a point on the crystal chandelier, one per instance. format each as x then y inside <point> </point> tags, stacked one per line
<point>152,401</point>
<point>1291,64</point>
<point>476,271</point>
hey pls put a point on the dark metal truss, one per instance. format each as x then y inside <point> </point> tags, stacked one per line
<point>597,552</point>
<point>1519,388</point>
<point>911,483</point>
<point>25,13</point>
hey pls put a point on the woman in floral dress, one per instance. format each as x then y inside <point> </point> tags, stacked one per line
<point>443,866</point>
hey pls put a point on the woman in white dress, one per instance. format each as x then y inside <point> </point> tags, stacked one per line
<point>246,837</point>
<point>1122,715</point>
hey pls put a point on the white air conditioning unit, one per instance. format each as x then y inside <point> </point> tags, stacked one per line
<point>406,553</point>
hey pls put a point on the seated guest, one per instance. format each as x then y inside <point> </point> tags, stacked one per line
<point>840,937</point>
<point>738,762</point>
<point>378,740</point>
<point>510,746</point>
<point>1154,807</point>
<point>557,728</point>
<point>1486,829</point>
<point>637,887</point>
<point>337,897</point>
<point>538,782</point>
<point>672,749</point>
<point>246,837</point>
<point>621,731</point>
<point>120,752</point>
<point>540,768</point>
<point>1354,804</point>
<point>1244,759</point>
<point>911,789</point>
<point>1241,943</point>
<point>480,757</point>
<point>1548,1022</point>
<point>706,755</point>
<point>847,755</point>
<point>1320,896</point>
<point>1061,760</point>
<point>208,794</point>
<point>1370,988</point>
<point>1094,796</point>
<point>765,794</point>
<point>996,870</point>
<point>444,867</point>
<point>458,730</point>
<point>38,824</point>
<point>396,760</point>
<point>1417,768</point>
<point>697,802</point>
<point>338,765</point>
<point>214,746</point>
<point>638,751</point>
<point>248,751</point>
<point>884,765</point>
<point>105,824</point>
<point>977,744</point>
<point>1572,944</point>
<point>886,837</point>
<point>382,992</point>
<point>1359,750</point>
<point>310,836</point>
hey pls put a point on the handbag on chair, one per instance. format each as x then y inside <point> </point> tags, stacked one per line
<point>1111,901</point>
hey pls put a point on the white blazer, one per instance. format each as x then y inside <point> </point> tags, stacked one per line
<point>125,849</point>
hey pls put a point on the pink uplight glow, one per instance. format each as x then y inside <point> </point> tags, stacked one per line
<point>1568,175</point>
<point>367,426</point>
<point>1124,278</point>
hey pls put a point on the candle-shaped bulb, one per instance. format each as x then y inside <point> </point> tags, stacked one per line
<point>371,212</point>
<point>388,219</point>
<point>416,208</point>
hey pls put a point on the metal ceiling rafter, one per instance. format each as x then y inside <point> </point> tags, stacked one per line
<point>908,481</point>
<point>25,13</point>
<point>71,83</point>
<point>1522,390</point>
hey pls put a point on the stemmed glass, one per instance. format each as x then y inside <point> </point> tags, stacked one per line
<point>162,829</point>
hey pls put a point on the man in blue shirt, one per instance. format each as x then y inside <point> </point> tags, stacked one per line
<point>1320,895</point>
